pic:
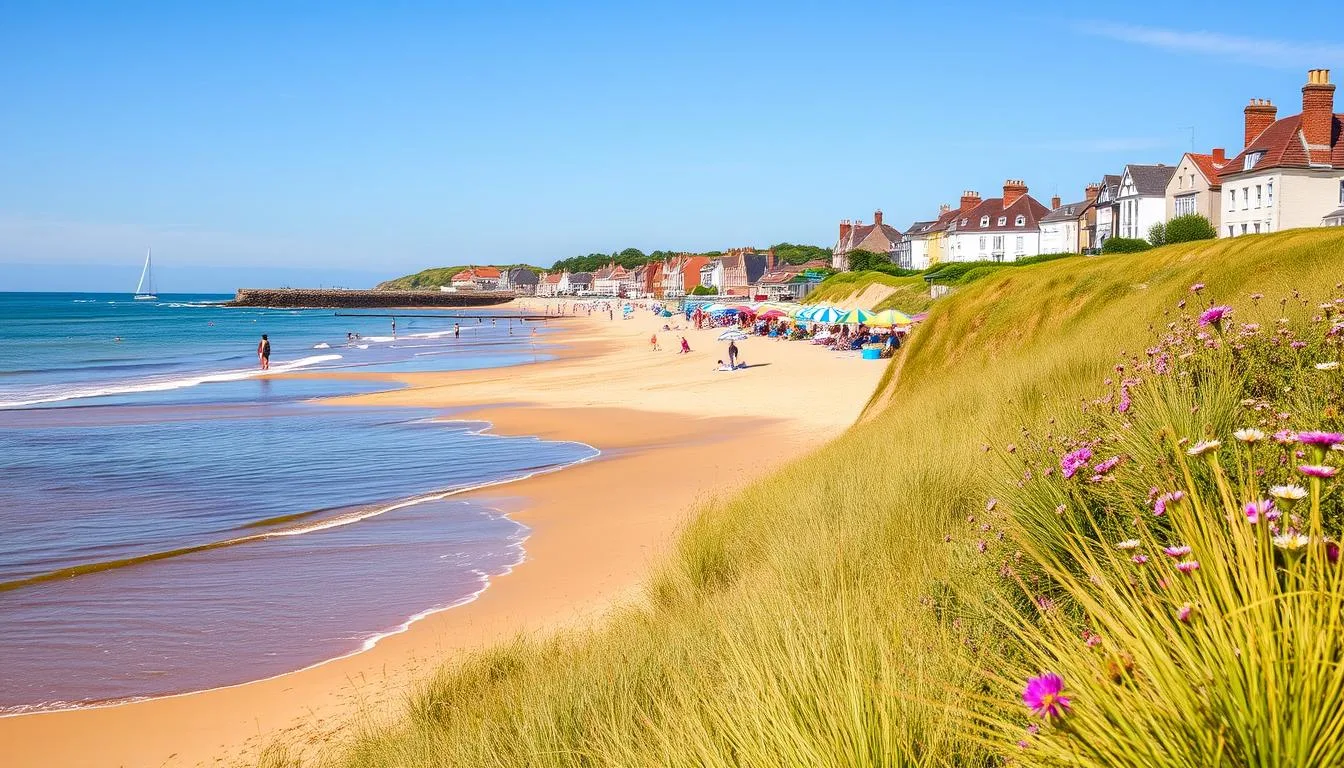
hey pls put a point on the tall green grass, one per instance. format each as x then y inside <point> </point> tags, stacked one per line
<point>835,614</point>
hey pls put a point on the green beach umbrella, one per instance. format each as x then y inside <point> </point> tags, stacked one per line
<point>825,315</point>
<point>856,315</point>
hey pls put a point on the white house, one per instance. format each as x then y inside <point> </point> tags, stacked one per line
<point>1108,210</point>
<point>1004,228</point>
<point>711,275</point>
<point>1059,227</point>
<point>1142,199</point>
<point>1291,172</point>
<point>912,252</point>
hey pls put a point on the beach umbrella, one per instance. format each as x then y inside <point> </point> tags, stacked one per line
<point>715,307</point>
<point>825,315</point>
<point>856,315</point>
<point>890,317</point>
<point>771,314</point>
<point>733,335</point>
<point>744,309</point>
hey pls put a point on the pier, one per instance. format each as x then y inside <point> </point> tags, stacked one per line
<point>353,299</point>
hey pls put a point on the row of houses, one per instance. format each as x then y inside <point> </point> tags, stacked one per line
<point>1289,174</point>
<point>737,272</point>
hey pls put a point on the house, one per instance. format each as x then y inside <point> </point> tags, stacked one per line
<point>519,280</point>
<point>466,280</point>
<point>632,284</point>
<point>711,275</point>
<point>1291,172</point>
<point>576,284</point>
<point>856,236</point>
<point>743,268</point>
<point>1196,189</point>
<point>1143,198</point>
<point>681,274</point>
<point>921,245</point>
<point>608,280</point>
<point>1068,228</point>
<point>1107,210</point>
<point>790,282</point>
<point>998,228</point>
<point>549,284</point>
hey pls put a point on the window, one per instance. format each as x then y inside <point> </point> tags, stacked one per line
<point>1269,192</point>
<point>1257,227</point>
<point>1017,247</point>
<point>982,242</point>
<point>1257,196</point>
<point>1251,159</point>
<point>984,221</point>
<point>1243,229</point>
<point>1003,220</point>
<point>998,244</point>
<point>1231,199</point>
<point>1341,193</point>
<point>1021,221</point>
<point>1245,198</point>
<point>1185,205</point>
<point>963,222</point>
<point>1231,232</point>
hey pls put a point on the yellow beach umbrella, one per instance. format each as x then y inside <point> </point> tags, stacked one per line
<point>890,317</point>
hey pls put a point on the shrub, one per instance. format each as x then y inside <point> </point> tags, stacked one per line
<point>1157,234</point>
<point>703,290</point>
<point>1184,229</point>
<point>1125,245</point>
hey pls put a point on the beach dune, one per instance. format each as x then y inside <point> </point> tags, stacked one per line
<point>674,433</point>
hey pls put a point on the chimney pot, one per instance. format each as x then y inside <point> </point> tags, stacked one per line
<point>1219,155</point>
<point>1260,114</point>
<point>877,217</point>
<point>1318,115</point>
<point>1013,190</point>
<point>1054,202</point>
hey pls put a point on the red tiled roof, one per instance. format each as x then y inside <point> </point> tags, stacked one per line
<point>486,271</point>
<point>465,276</point>
<point>1026,206</point>
<point>554,277</point>
<point>1207,166</point>
<point>1284,147</point>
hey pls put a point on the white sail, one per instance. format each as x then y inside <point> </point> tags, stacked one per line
<point>144,290</point>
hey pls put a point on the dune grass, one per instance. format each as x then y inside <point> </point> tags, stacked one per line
<point>834,614</point>
<point>908,294</point>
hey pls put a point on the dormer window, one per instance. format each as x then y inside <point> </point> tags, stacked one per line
<point>1003,220</point>
<point>984,221</point>
<point>963,222</point>
<point>1021,221</point>
<point>1252,158</point>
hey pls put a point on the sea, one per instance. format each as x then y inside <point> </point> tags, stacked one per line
<point>170,521</point>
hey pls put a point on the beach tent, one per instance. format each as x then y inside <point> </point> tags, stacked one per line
<point>856,316</point>
<point>889,317</point>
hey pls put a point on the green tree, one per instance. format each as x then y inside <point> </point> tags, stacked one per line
<point>860,261</point>
<point>1157,234</point>
<point>1190,227</point>
<point>702,290</point>
<point>789,253</point>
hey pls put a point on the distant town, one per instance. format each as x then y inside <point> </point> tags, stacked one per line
<point>1289,174</point>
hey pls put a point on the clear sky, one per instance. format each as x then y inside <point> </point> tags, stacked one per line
<point>343,142</point>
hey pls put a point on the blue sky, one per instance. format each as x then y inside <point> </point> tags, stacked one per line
<point>343,142</point>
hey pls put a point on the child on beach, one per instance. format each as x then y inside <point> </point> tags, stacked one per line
<point>653,342</point>
<point>685,347</point>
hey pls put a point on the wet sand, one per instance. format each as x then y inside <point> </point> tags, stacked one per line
<point>674,434</point>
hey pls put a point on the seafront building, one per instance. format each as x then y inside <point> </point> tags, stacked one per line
<point>1004,228</point>
<point>1107,209</point>
<point>1070,227</point>
<point>681,274</point>
<point>1195,188</point>
<point>1142,200</point>
<point>857,236</point>
<point>1291,172</point>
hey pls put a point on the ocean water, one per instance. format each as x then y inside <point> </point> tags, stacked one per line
<point>172,522</point>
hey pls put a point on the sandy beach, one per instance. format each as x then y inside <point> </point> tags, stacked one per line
<point>674,434</point>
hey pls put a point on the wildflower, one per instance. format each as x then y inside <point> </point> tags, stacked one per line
<point>1139,559</point>
<point>1183,613</point>
<point>1322,440</point>
<point>1128,544</point>
<point>981,546</point>
<point>1074,461</point>
<point>1319,471</point>
<point>1258,510</point>
<point>1160,506</point>
<point>1091,639</point>
<point>1044,696</point>
<point>1331,551</point>
<point>1214,316</point>
<point>1203,447</point>
<point>1107,465</point>
<point>1285,436</point>
<point>1291,542</point>
<point>1298,345</point>
<point>1327,366</point>
<point>1249,435</point>
<point>1180,550</point>
<point>1060,509</point>
<point>1197,287</point>
<point>1188,566</point>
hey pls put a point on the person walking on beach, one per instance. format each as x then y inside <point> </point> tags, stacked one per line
<point>685,346</point>
<point>653,342</point>
<point>264,352</point>
<point>457,331</point>
<point>732,354</point>
<point>394,327</point>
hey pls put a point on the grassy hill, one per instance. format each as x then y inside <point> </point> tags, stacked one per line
<point>873,290</point>
<point>834,614</point>
<point>434,277</point>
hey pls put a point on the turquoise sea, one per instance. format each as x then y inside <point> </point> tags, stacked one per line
<point>172,521</point>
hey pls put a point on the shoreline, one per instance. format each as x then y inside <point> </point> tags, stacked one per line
<point>587,551</point>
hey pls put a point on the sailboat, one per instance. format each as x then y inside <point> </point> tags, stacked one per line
<point>146,282</point>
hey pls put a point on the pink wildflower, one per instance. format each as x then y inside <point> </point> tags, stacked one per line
<point>1140,559</point>
<point>1180,550</point>
<point>1074,461</point>
<point>1183,613</point>
<point>1214,316</point>
<point>1044,696</point>
<point>1197,287</point>
<point>1259,510</point>
<point>1322,440</point>
<point>1320,471</point>
<point>1188,566</point>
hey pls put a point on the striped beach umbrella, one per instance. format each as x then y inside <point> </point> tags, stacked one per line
<point>856,315</point>
<point>890,317</point>
<point>826,315</point>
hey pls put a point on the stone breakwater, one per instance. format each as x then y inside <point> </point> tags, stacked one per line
<point>345,299</point>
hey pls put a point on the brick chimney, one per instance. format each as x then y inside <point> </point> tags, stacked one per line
<point>877,218</point>
<point>969,200</point>
<point>770,260</point>
<point>1091,191</point>
<point>1219,155</point>
<point>1318,115</point>
<point>942,209</point>
<point>845,228</point>
<point>1260,114</point>
<point>1013,190</point>
<point>1054,202</point>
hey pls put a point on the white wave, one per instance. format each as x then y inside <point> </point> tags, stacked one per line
<point>164,385</point>
<point>321,345</point>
